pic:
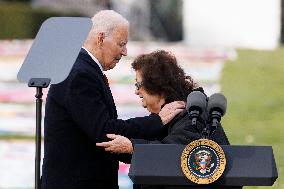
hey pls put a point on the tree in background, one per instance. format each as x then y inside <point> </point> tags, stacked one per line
<point>166,22</point>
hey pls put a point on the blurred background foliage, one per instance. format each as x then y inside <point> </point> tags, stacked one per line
<point>253,85</point>
<point>20,20</point>
<point>161,25</point>
<point>282,21</point>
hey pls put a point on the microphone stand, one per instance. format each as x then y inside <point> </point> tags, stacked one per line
<point>215,118</point>
<point>205,132</point>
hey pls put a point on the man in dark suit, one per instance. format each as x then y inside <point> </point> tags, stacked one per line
<point>80,111</point>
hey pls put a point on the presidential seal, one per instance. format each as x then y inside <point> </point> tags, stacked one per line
<point>203,161</point>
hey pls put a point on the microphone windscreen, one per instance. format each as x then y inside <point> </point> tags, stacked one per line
<point>196,99</point>
<point>217,102</point>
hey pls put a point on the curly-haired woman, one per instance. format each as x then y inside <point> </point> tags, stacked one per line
<point>160,80</point>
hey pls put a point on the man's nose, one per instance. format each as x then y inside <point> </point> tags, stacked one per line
<point>124,51</point>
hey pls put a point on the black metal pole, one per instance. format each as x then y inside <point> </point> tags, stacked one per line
<point>38,137</point>
<point>39,83</point>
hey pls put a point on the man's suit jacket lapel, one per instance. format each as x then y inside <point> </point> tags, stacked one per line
<point>107,91</point>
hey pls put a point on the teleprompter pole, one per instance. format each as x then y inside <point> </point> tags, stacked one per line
<point>39,83</point>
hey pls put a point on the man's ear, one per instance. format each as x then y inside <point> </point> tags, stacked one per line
<point>100,38</point>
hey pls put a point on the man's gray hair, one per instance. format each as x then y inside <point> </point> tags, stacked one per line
<point>106,20</point>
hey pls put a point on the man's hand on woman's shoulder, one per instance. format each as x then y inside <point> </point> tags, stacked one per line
<point>169,111</point>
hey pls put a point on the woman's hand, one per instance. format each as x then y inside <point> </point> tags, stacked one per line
<point>118,144</point>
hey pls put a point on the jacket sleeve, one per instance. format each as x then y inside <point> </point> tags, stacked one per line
<point>87,106</point>
<point>180,134</point>
<point>184,133</point>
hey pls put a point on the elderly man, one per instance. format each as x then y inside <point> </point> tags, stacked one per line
<point>80,111</point>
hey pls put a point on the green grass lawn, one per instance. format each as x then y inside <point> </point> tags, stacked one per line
<point>254,87</point>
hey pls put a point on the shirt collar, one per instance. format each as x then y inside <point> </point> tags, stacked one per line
<point>94,59</point>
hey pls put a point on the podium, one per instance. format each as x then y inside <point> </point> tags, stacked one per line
<point>159,164</point>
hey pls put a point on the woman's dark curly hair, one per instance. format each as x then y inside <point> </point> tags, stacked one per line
<point>161,75</point>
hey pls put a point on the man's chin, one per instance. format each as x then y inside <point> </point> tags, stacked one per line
<point>110,67</point>
<point>113,65</point>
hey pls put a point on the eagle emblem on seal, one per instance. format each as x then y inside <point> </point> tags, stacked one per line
<point>203,161</point>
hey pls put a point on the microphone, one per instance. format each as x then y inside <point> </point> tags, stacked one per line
<point>196,105</point>
<point>217,106</point>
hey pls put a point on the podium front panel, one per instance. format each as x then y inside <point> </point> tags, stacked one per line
<point>159,164</point>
